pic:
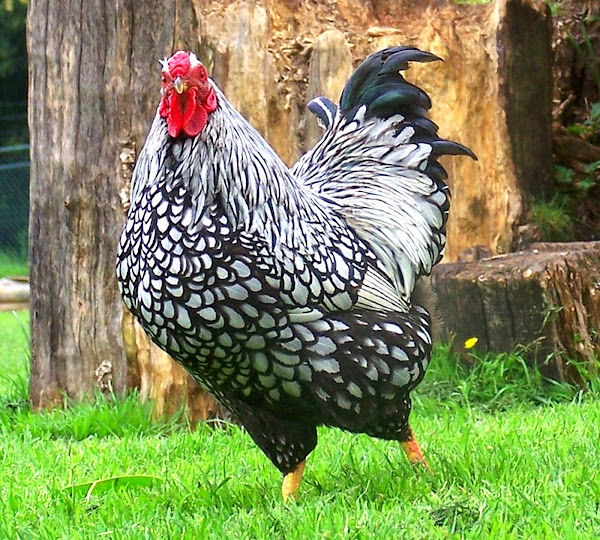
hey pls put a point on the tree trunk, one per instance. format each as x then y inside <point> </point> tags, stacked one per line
<point>493,92</point>
<point>90,104</point>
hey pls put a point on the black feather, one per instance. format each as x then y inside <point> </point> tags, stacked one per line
<point>378,85</point>
<point>442,147</point>
<point>380,68</point>
<point>389,103</point>
<point>425,125</point>
<point>399,60</point>
<point>364,74</point>
<point>436,172</point>
<point>403,92</point>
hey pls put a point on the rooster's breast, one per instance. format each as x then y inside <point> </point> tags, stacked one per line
<point>193,287</point>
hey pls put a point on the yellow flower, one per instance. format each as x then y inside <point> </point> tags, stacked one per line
<point>471,342</point>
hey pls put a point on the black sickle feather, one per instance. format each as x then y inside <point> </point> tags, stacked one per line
<point>402,92</point>
<point>423,127</point>
<point>383,63</point>
<point>399,60</point>
<point>378,85</point>
<point>443,147</point>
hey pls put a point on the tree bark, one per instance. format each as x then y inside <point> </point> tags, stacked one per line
<point>493,92</point>
<point>545,300</point>
<point>90,104</point>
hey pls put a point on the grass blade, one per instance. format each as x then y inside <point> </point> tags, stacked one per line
<point>113,483</point>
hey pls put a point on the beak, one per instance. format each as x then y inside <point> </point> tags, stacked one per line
<point>179,85</point>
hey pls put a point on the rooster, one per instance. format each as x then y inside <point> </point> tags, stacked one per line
<point>287,292</point>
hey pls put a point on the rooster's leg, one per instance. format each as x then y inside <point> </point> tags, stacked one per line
<point>413,451</point>
<point>291,481</point>
<point>285,442</point>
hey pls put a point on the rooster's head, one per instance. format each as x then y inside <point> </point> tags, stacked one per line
<point>187,94</point>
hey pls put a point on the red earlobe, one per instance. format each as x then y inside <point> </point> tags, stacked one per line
<point>210,103</point>
<point>163,108</point>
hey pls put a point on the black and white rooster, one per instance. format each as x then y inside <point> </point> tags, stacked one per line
<point>287,292</point>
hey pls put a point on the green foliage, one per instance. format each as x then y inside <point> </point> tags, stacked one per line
<point>495,382</point>
<point>556,7</point>
<point>14,357</point>
<point>572,184</point>
<point>555,217</point>
<point>13,72</point>
<point>564,176</point>
<point>12,265</point>
<point>590,127</point>
<point>13,55</point>
<point>592,122</point>
<point>593,167</point>
<point>127,481</point>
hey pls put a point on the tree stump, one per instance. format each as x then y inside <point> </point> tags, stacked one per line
<point>545,300</point>
<point>496,72</point>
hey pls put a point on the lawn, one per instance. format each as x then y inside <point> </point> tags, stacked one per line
<point>513,458</point>
<point>11,265</point>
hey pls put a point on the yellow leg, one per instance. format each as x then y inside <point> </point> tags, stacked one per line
<point>413,452</point>
<point>291,481</point>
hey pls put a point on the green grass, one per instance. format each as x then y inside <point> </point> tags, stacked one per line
<point>11,266</point>
<point>14,355</point>
<point>514,457</point>
<point>554,218</point>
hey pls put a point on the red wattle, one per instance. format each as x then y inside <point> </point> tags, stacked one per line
<point>185,112</point>
<point>195,123</point>
<point>175,115</point>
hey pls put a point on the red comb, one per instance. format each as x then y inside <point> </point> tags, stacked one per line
<point>179,63</point>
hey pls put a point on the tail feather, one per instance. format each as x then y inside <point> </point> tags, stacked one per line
<point>384,100</point>
<point>372,72</point>
<point>443,147</point>
<point>377,165</point>
<point>378,85</point>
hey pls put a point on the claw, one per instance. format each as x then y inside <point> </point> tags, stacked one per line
<point>291,481</point>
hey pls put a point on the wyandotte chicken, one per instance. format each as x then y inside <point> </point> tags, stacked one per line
<point>287,293</point>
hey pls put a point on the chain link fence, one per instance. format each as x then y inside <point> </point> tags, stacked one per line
<point>14,199</point>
